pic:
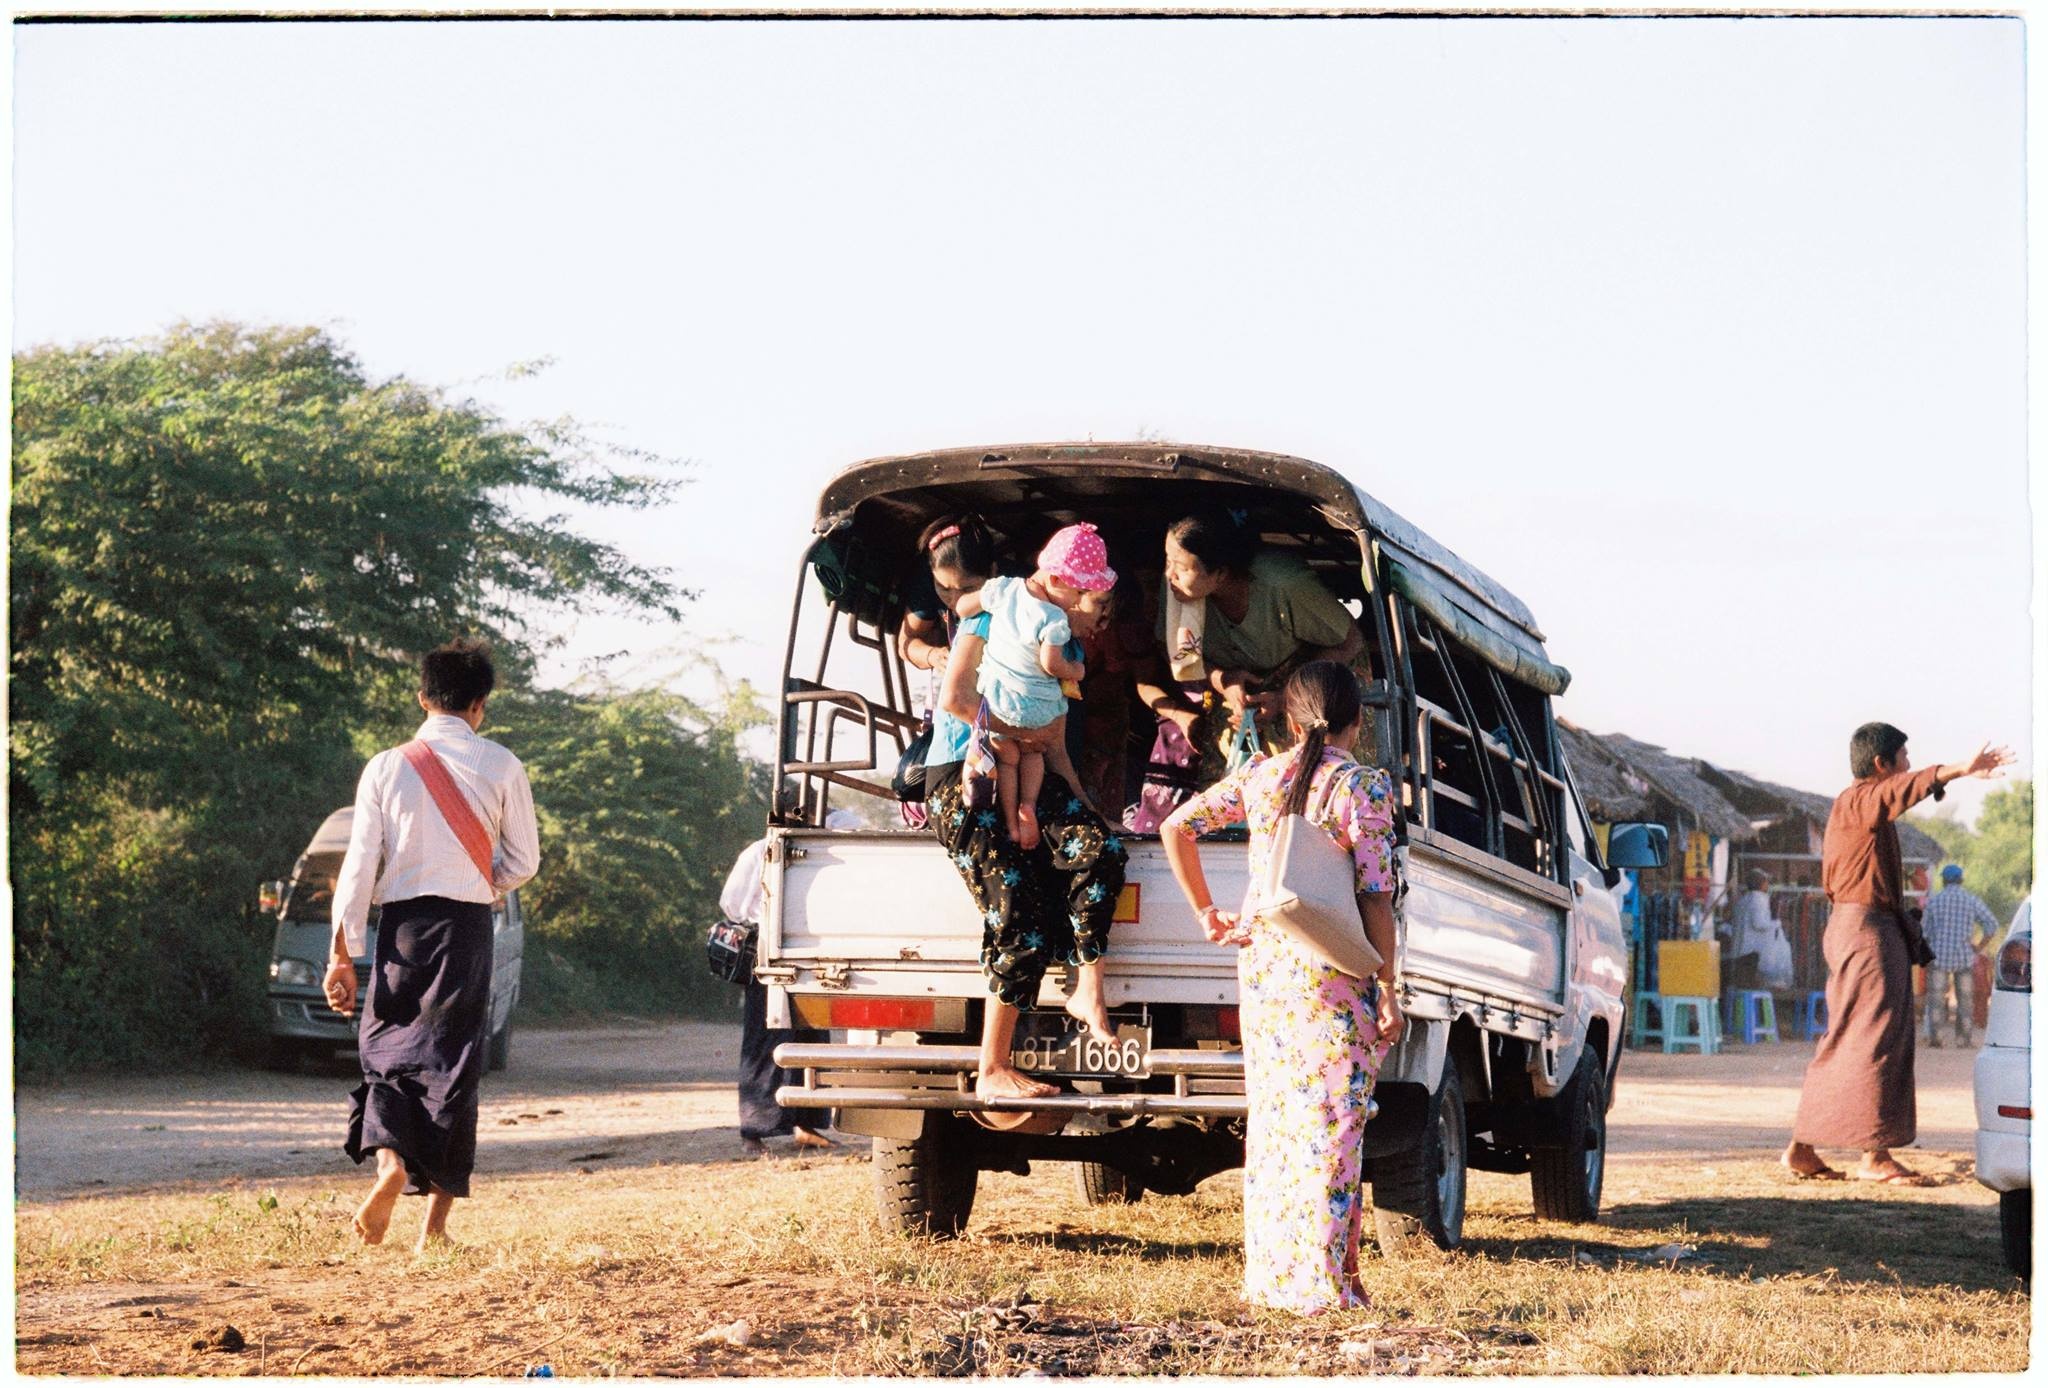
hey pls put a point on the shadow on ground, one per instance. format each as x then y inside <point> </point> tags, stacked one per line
<point>1850,1237</point>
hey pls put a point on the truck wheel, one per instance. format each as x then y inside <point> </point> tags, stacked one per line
<point>500,1053</point>
<point>2016,1229</point>
<point>924,1186</point>
<point>1566,1180</point>
<point>1419,1192</point>
<point>1105,1185</point>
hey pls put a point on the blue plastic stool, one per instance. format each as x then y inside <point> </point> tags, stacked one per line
<point>1813,1015</point>
<point>1641,1031</point>
<point>1704,1033</point>
<point>1757,1012</point>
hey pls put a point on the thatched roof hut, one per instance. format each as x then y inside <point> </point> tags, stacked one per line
<point>1622,778</point>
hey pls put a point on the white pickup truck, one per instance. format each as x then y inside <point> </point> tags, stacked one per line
<point>1511,962</point>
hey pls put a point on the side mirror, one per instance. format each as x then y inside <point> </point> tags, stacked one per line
<point>270,897</point>
<point>1635,845</point>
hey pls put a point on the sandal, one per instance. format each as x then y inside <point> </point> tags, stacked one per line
<point>1823,1173</point>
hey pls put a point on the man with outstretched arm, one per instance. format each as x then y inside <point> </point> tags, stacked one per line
<point>1858,1091</point>
<point>449,816</point>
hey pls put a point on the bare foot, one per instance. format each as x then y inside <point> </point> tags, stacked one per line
<point>1805,1163</point>
<point>1890,1172</point>
<point>1007,1082</point>
<point>373,1216</point>
<point>1092,1012</point>
<point>433,1243</point>
<point>1026,830</point>
<point>804,1137</point>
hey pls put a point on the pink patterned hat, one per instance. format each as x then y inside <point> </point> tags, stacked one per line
<point>1077,557</point>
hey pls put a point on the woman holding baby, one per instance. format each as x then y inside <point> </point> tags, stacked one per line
<point>1051,901</point>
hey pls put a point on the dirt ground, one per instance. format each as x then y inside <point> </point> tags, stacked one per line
<point>638,1096</point>
<point>664,1094</point>
<point>199,1225</point>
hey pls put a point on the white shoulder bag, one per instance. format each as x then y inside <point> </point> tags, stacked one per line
<point>1310,889</point>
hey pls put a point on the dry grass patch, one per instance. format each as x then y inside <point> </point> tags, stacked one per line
<point>650,1270</point>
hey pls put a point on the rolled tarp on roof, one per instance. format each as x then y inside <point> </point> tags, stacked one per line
<point>1487,635</point>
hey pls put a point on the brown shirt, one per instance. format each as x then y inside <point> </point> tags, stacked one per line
<point>1859,857</point>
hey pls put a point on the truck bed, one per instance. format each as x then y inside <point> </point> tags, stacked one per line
<point>885,914</point>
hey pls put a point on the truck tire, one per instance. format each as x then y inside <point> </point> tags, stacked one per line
<point>924,1186</point>
<point>499,1054</point>
<point>2016,1229</point>
<point>1105,1185</point>
<point>1565,1181</point>
<point>1419,1192</point>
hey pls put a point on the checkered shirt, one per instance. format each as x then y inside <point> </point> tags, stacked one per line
<point>1946,924</point>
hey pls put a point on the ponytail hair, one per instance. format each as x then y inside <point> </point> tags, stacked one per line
<point>1322,697</point>
<point>961,542</point>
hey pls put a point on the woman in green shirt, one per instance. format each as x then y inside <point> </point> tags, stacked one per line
<point>1235,621</point>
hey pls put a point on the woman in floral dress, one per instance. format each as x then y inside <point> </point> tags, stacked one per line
<point>1313,1036</point>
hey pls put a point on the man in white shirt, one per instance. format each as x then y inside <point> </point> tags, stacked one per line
<point>760,1116</point>
<point>443,827</point>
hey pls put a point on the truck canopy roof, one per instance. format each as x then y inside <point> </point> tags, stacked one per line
<point>913,488</point>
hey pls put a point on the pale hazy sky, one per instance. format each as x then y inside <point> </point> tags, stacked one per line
<point>1706,337</point>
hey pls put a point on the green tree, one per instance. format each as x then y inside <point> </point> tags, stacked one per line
<point>1997,856</point>
<point>644,800</point>
<point>227,545</point>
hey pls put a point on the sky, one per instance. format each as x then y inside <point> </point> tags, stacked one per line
<point>1706,337</point>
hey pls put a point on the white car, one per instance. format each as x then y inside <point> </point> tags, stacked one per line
<point>2005,1104</point>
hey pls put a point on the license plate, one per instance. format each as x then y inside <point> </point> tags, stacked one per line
<point>1061,1045</point>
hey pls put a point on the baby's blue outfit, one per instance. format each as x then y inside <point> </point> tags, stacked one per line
<point>1017,688</point>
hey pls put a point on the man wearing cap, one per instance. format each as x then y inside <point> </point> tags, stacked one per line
<point>1858,1091</point>
<point>1951,922</point>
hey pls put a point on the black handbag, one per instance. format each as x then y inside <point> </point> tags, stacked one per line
<point>908,782</point>
<point>729,950</point>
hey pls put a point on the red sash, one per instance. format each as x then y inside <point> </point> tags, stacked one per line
<point>475,839</point>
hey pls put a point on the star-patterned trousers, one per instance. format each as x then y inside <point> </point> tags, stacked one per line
<point>1050,905</point>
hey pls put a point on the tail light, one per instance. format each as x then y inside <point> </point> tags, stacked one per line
<point>1206,1022</point>
<point>2015,972</point>
<point>880,1014</point>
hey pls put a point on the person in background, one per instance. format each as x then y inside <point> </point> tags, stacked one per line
<point>1858,1091</point>
<point>443,826</point>
<point>1951,921</point>
<point>760,1116</point>
<point>1749,926</point>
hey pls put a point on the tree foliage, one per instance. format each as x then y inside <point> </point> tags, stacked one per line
<point>228,546</point>
<point>644,800</point>
<point>1997,856</point>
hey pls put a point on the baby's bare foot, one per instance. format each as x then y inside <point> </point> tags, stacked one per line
<point>1026,830</point>
<point>1007,1082</point>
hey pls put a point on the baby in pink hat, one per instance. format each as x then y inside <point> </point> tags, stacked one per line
<point>1031,621</point>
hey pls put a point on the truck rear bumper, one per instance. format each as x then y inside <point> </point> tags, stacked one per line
<point>940,1078</point>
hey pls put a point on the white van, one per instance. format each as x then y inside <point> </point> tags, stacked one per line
<point>1511,961</point>
<point>302,1025</point>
